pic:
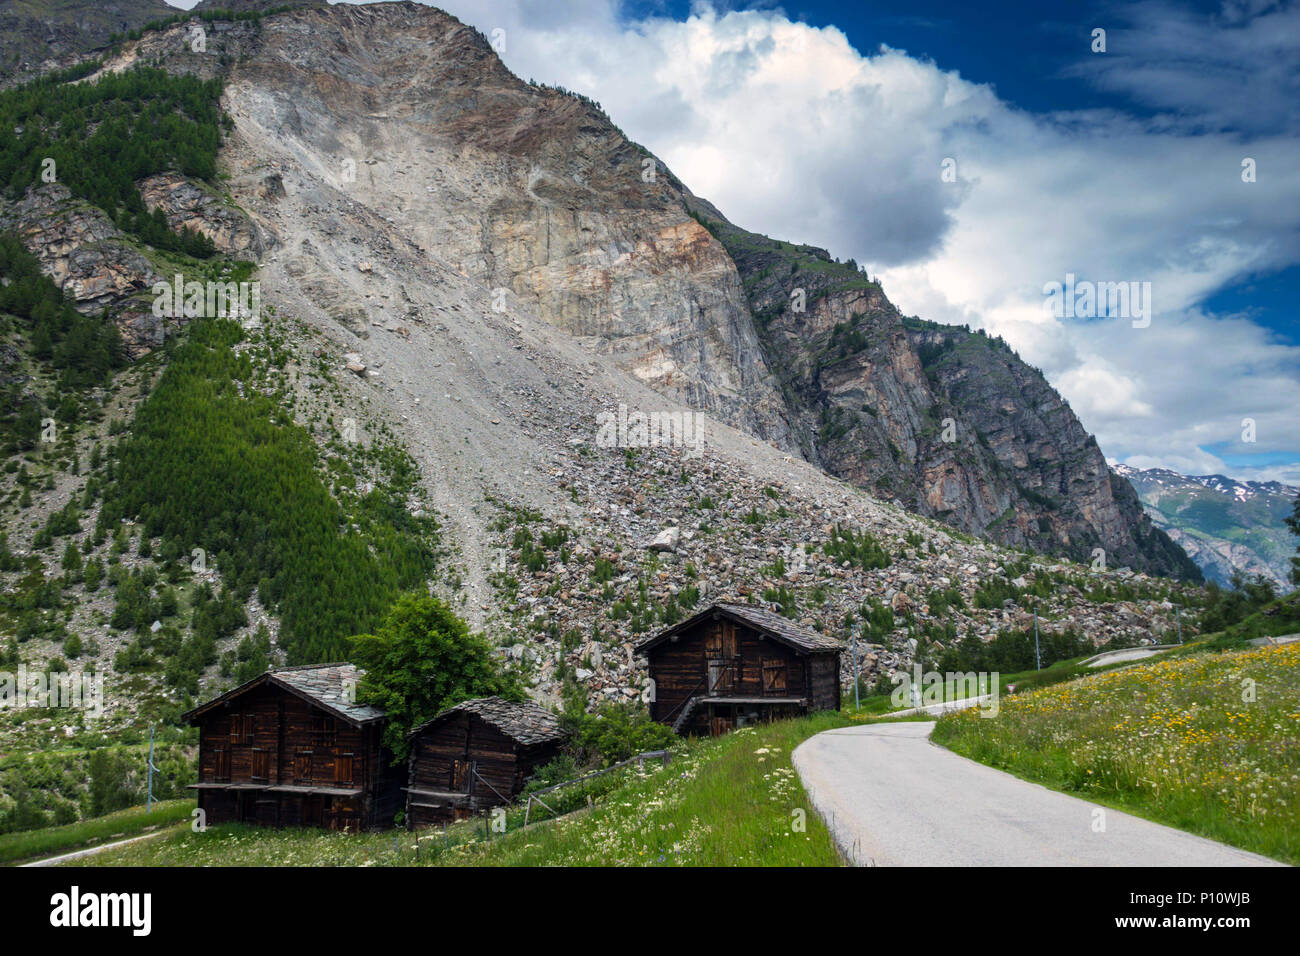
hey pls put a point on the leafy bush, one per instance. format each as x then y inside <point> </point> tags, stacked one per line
<point>616,731</point>
<point>861,549</point>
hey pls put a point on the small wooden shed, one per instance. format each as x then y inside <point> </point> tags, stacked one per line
<point>476,755</point>
<point>292,747</point>
<point>738,664</point>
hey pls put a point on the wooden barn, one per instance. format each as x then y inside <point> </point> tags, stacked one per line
<point>733,664</point>
<point>293,748</point>
<point>476,755</point>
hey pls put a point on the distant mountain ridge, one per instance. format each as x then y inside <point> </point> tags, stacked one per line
<point>1222,523</point>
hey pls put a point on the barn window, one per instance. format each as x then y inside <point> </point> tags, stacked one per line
<point>459,775</point>
<point>773,675</point>
<point>261,764</point>
<point>241,728</point>
<point>343,768</point>
<point>323,731</point>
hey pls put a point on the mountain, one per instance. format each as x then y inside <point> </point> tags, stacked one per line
<point>460,274</point>
<point>1224,525</point>
<point>536,192</point>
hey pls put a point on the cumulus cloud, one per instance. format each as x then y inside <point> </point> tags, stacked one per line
<point>792,132</point>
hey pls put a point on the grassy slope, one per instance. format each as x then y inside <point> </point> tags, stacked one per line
<point>52,841</point>
<point>1176,741</point>
<point>729,801</point>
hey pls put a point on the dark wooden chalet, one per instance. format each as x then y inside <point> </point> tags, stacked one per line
<point>474,756</point>
<point>293,748</point>
<point>734,664</point>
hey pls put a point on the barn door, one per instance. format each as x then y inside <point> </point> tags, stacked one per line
<point>261,764</point>
<point>720,721</point>
<point>717,668</point>
<point>312,815</point>
<point>719,656</point>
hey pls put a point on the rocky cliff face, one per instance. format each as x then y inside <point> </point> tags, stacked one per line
<point>947,422</point>
<point>97,266</point>
<point>104,271</point>
<point>187,205</point>
<point>529,191</point>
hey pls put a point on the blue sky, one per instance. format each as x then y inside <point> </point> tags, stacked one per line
<point>829,124</point>
<point>1034,57</point>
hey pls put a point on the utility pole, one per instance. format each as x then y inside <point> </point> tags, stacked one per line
<point>1038,660</point>
<point>853,639</point>
<point>148,807</point>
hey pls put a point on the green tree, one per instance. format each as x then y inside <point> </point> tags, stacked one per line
<point>71,557</point>
<point>421,660</point>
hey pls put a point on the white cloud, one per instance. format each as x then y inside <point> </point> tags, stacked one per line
<point>1236,69</point>
<point>792,132</point>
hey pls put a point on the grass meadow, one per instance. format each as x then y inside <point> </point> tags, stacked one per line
<point>1209,743</point>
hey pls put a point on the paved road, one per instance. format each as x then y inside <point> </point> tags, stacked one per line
<point>940,708</point>
<point>1126,654</point>
<point>1271,641</point>
<point>91,851</point>
<point>892,798</point>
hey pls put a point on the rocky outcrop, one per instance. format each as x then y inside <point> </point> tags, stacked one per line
<point>78,247</point>
<point>100,269</point>
<point>94,264</point>
<point>187,205</point>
